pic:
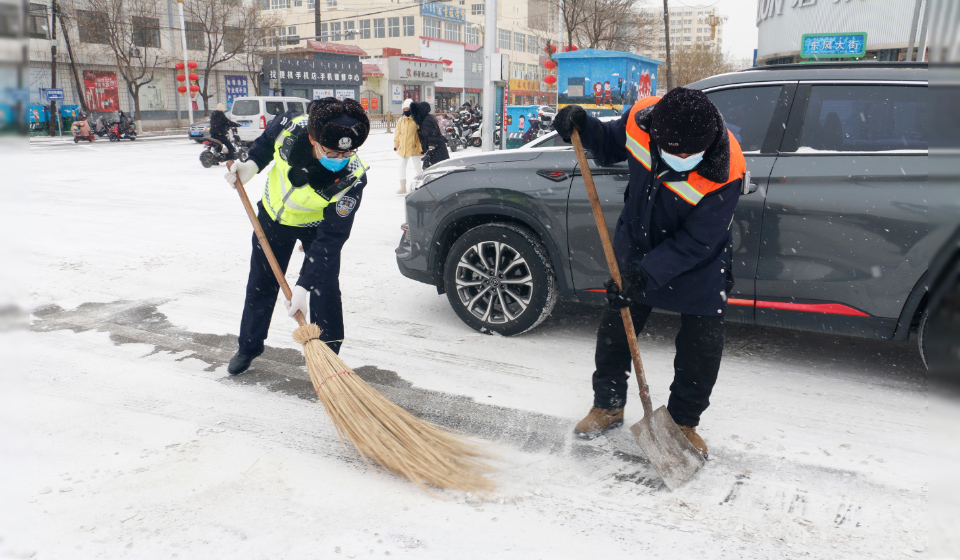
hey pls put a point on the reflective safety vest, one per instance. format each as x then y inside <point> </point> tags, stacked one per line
<point>302,206</point>
<point>696,186</point>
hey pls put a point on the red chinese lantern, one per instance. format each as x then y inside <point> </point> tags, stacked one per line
<point>192,65</point>
<point>178,66</point>
<point>549,64</point>
<point>570,48</point>
<point>194,88</point>
<point>550,49</point>
<point>181,77</point>
<point>194,77</point>
<point>182,89</point>
<point>550,79</point>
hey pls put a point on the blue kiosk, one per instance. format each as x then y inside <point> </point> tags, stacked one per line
<point>604,82</point>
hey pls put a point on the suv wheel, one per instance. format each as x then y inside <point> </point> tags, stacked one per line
<point>498,278</point>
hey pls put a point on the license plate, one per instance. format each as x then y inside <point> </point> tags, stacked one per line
<point>245,124</point>
<point>196,134</point>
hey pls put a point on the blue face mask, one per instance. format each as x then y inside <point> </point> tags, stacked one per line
<point>680,164</point>
<point>334,164</point>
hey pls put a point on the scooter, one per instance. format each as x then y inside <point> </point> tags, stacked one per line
<point>214,153</point>
<point>81,131</point>
<point>124,128</point>
<point>101,128</point>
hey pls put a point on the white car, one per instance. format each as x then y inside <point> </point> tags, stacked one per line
<point>254,113</point>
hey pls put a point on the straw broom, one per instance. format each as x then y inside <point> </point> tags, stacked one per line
<point>380,430</point>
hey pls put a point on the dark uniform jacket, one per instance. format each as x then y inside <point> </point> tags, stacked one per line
<point>674,226</point>
<point>305,171</point>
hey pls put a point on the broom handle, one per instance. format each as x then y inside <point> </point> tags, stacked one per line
<point>614,271</point>
<point>265,245</point>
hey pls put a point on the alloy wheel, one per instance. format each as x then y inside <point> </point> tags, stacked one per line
<point>494,282</point>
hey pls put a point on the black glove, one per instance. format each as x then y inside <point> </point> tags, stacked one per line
<point>634,284</point>
<point>569,118</point>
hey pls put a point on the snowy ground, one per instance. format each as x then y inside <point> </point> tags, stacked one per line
<point>124,437</point>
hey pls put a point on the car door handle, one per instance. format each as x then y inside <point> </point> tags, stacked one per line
<point>749,187</point>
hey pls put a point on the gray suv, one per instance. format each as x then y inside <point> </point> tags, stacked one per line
<point>835,232</point>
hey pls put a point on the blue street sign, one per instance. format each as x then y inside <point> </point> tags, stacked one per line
<point>833,45</point>
<point>53,94</point>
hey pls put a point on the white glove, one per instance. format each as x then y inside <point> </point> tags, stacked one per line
<point>298,302</point>
<point>244,170</point>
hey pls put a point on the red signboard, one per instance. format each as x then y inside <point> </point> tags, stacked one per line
<point>374,103</point>
<point>100,90</point>
<point>365,103</point>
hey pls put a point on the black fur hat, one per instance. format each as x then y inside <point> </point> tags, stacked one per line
<point>338,125</point>
<point>684,122</point>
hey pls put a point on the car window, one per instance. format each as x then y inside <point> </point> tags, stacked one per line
<point>274,107</point>
<point>747,111</point>
<point>295,106</point>
<point>246,107</point>
<point>865,118</point>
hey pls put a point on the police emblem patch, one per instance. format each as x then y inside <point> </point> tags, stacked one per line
<point>346,205</point>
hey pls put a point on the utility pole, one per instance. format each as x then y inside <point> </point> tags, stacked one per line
<point>279,89</point>
<point>73,63</point>
<point>489,84</point>
<point>53,66</point>
<point>316,19</point>
<point>666,34</point>
<point>186,69</point>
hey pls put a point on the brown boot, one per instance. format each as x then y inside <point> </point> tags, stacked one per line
<point>598,421</point>
<point>695,439</point>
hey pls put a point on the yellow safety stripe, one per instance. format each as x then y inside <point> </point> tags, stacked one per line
<point>639,151</point>
<point>686,191</point>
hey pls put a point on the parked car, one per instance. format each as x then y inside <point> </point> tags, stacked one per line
<point>200,131</point>
<point>835,233</point>
<point>254,113</point>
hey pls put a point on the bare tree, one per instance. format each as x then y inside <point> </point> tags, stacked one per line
<point>621,25</point>
<point>130,35</point>
<point>227,30</point>
<point>699,61</point>
<point>257,46</point>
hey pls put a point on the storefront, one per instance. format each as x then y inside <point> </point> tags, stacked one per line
<point>325,75</point>
<point>409,77</point>
<point>448,99</point>
<point>524,92</point>
<point>807,31</point>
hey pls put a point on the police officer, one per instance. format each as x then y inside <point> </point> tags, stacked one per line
<point>672,243</point>
<point>312,195</point>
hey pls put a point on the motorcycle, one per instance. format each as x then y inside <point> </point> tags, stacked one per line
<point>214,153</point>
<point>81,130</point>
<point>101,128</point>
<point>471,129</point>
<point>455,140</point>
<point>546,114</point>
<point>124,128</point>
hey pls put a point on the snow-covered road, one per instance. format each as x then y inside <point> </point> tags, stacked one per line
<point>128,439</point>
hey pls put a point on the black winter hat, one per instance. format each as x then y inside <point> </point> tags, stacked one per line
<point>684,122</point>
<point>338,125</point>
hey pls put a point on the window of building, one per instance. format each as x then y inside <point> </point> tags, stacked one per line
<point>146,32</point>
<point>411,92</point>
<point>393,26</point>
<point>866,118</point>
<point>10,21</point>
<point>335,33</point>
<point>379,28</point>
<point>503,39</point>
<point>477,9</point>
<point>519,42</point>
<point>332,4</point>
<point>297,3</point>
<point>364,28</point>
<point>311,5</point>
<point>408,26</point>
<point>517,70</point>
<point>324,31</point>
<point>196,37</point>
<point>473,34</point>
<point>93,27</point>
<point>431,27</point>
<point>451,31</point>
<point>533,44</point>
<point>686,29</point>
<point>349,29</point>
<point>39,24</point>
<point>279,4</point>
<point>233,38</point>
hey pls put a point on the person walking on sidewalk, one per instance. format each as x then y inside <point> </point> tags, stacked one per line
<point>406,142</point>
<point>312,195</point>
<point>431,139</point>
<point>219,125</point>
<point>672,243</point>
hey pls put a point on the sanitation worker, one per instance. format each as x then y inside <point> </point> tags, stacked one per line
<point>312,195</point>
<point>672,243</point>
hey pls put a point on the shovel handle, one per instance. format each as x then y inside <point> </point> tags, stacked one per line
<point>265,245</point>
<point>614,271</point>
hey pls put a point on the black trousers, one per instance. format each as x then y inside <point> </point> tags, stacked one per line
<point>262,288</point>
<point>226,142</point>
<point>699,349</point>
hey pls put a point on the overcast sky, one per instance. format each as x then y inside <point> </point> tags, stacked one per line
<point>740,29</point>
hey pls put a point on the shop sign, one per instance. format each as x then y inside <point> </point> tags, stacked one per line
<point>443,11</point>
<point>345,94</point>
<point>311,71</point>
<point>525,85</point>
<point>322,93</point>
<point>833,45</point>
<point>418,70</point>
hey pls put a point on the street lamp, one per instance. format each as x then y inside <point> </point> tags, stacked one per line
<point>713,21</point>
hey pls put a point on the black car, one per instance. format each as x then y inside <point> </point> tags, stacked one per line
<point>835,232</point>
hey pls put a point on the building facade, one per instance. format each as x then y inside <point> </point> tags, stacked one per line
<point>449,32</point>
<point>688,27</point>
<point>879,29</point>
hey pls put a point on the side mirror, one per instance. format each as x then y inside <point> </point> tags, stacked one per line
<point>748,187</point>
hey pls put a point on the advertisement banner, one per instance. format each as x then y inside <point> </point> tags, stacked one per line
<point>100,90</point>
<point>322,93</point>
<point>345,94</point>
<point>236,87</point>
<point>443,11</point>
<point>396,93</point>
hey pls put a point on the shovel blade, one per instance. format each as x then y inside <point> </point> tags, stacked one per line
<point>669,451</point>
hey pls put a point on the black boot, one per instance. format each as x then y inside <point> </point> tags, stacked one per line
<point>240,362</point>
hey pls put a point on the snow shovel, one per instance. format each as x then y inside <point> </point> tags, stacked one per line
<point>669,451</point>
